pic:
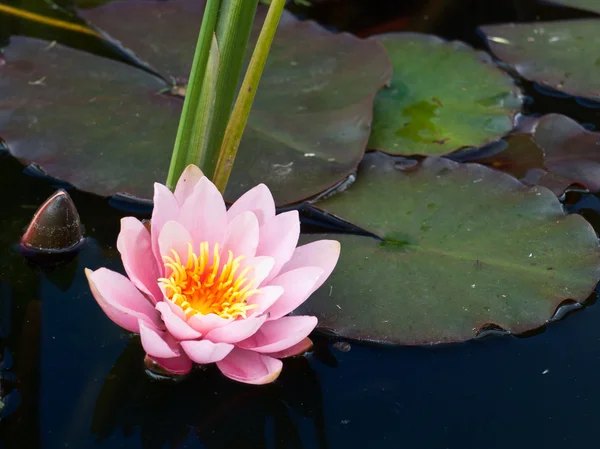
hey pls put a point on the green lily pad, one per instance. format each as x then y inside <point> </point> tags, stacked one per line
<point>462,247</point>
<point>107,127</point>
<point>562,55</point>
<point>587,5</point>
<point>443,96</point>
<point>558,153</point>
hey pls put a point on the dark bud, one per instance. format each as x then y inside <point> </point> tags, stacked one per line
<point>55,228</point>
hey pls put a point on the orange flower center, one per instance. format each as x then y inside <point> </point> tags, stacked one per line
<point>198,287</point>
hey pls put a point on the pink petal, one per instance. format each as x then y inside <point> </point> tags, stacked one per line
<point>157,343</point>
<point>206,323</point>
<point>175,309</point>
<point>265,299</point>
<point>204,214</point>
<point>186,183</point>
<point>280,334</point>
<point>120,300</point>
<point>165,209</point>
<point>174,237</point>
<point>176,365</point>
<point>204,351</point>
<point>250,367</point>
<point>199,323</point>
<point>235,331</point>
<point>278,239</point>
<point>242,235</point>
<point>322,253</point>
<point>135,246</point>
<point>176,325</point>
<point>258,200</point>
<point>261,267</point>
<point>298,349</point>
<point>297,285</point>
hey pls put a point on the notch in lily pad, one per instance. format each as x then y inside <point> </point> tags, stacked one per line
<point>556,152</point>
<point>55,232</point>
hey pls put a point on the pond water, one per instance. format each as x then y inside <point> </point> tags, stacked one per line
<point>71,378</point>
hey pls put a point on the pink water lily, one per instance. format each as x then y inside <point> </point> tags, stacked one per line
<point>211,285</point>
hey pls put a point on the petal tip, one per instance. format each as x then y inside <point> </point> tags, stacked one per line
<point>250,367</point>
<point>270,378</point>
<point>187,182</point>
<point>193,171</point>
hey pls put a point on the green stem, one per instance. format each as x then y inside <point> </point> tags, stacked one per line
<point>233,32</point>
<point>192,108</point>
<point>200,132</point>
<point>243,104</point>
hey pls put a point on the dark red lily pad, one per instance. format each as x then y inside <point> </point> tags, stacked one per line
<point>99,124</point>
<point>106,127</point>
<point>461,248</point>
<point>558,153</point>
<point>161,34</point>
<point>562,55</point>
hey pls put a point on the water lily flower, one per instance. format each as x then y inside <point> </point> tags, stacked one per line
<point>211,285</point>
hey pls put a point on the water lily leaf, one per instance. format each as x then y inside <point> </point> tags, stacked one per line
<point>462,246</point>
<point>312,113</point>
<point>562,55</point>
<point>588,5</point>
<point>106,127</point>
<point>443,96</point>
<point>162,34</point>
<point>560,152</point>
<point>99,124</point>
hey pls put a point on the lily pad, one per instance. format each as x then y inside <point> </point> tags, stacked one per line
<point>587,5</point>
<point>560,152</point>
<point>462,247</point>
<point>562,55</point>
<point>443,96</point>
<point>107,127</point>
<point>162,34</point>
<point>97,123</point>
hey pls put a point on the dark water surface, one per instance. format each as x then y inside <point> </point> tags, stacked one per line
<point>74,379</point>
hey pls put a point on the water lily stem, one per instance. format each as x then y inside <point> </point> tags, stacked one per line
<point>243,104</point>
<point>233,32</point>
<point>200,132</point>
<point>187,139</point>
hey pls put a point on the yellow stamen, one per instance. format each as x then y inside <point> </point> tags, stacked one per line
<point>204,287</point>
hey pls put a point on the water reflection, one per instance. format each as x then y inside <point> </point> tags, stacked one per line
<point>219,412</point>
<point>69,376</point>
<point>19,363</point>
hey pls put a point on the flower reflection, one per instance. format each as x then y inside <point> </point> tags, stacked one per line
<point>166,414</point>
